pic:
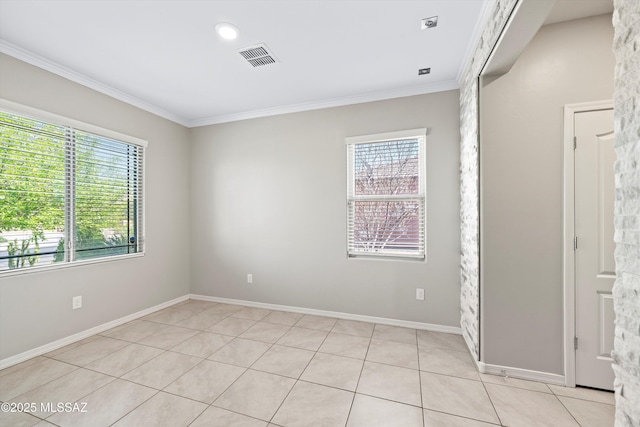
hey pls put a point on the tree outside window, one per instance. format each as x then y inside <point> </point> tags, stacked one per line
<point>386,196</point>
<point>65,194</point>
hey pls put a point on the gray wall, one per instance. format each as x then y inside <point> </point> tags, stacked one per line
<point>35,308</point>
<point>521,189</point>
<point>269,198</point>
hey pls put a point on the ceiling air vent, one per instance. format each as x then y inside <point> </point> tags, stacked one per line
<point>258,55</point>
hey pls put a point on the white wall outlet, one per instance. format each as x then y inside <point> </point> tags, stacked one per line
<point>420,294</point>
<point>76,302</point>
<point>249,278</point>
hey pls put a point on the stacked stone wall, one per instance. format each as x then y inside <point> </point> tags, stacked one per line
<point>626,47</point>
<point>469,176</point>
<point>626,291</point>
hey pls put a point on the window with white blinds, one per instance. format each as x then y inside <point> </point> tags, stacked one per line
<point>69,192</point>
<point>386,194</point>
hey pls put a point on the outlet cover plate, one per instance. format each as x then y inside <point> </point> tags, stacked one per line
<point>76,302</point>
<point>420,294</point>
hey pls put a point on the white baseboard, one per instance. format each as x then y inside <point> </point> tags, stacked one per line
<point>484,368</point>
<point>38,351</point>
<point>339,315</point>
<point>523,374</point>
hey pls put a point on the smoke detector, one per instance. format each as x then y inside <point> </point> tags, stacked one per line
<point>429,22</point>
<point>258,55</point>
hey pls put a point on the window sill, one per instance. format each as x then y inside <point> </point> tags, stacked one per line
<point>65,265</point>
<point>388,257</point>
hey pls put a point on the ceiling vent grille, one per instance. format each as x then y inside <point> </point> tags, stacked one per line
<point>258,55</point>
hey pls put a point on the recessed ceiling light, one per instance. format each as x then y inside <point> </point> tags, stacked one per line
<point>429,22</point>
<point>227,31</point>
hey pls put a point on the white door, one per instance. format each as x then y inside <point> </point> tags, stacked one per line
<point>594,261</point>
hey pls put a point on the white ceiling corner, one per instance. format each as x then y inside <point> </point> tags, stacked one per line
<point>164,57</point>
<point>481,23</point>
<point>336,102</point>
<point>40,62</point>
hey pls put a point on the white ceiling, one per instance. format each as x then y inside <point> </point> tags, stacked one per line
<point>165,56</point>
<point>566,10</point>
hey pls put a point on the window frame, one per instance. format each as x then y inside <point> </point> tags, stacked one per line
<point>58,120</point>
<point>419,134</point>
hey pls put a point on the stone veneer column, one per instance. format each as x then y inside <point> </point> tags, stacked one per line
<point>626,291</point>
<point>626,46</point>
<point>469,175</point>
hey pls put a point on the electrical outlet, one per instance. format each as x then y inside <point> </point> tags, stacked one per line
<point>249,278</point>
<point>420,294</point>
<point>76,302</point>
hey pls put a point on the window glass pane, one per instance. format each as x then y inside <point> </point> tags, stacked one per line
<point>391,225</point>
<point>32,192</point>
<point>66,194</point>
<point>386,168</point>
<point>385,192</point>
<point>106,196</point>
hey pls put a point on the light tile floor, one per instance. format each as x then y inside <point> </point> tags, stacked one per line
<point>217,365</point>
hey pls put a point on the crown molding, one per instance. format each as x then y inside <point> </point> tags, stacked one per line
<point>41,62</point>
<point>328,103</point>
<point>481,23</point>
<point>48,65</point>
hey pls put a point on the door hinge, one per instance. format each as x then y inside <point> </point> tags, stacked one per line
<point>575,343</point>
<point>575,243</point>
<point>575,142</point>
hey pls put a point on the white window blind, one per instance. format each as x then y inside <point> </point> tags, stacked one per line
<point>67,195</point>
<point>386,194</point>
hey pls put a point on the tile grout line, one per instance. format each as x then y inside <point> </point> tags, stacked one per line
<point>582,398</point>
<point>551,393</point>
<point>141,403</point>
<point>39,417</point>
<point>79,367</point>
<point>353,398</point>
<point>246,370</point>
<point>420,379</point>
<point>566,409</point>
<point>298,379</point>
<point>465,417</point>
<point>250,367</point>
<point>355,392</point>
<point>162,390</point>
<point>50,381</point>
<point>484,387</point>
<point>294,384</point>
<point>210,405</point>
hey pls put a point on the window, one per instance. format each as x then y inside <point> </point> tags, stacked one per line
<point>69,192</point>
<point>386,194</point>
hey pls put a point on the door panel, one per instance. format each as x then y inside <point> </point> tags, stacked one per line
<point>595,265</point>
<point>606,196</point>
<point>606,316</point>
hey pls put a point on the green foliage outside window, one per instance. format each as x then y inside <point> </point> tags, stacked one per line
<point>34,165</point>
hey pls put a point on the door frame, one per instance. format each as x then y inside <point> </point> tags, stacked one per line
<point>569,261</point>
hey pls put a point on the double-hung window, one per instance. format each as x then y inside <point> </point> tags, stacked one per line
<point>386,194</point>
<point>69,192</point>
